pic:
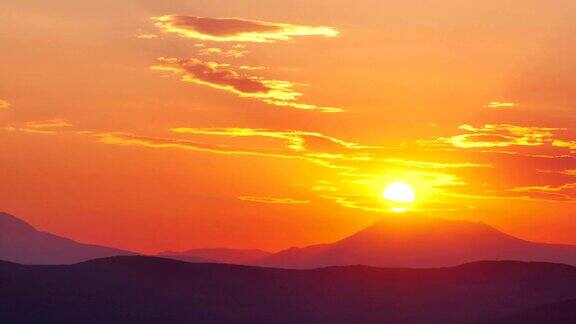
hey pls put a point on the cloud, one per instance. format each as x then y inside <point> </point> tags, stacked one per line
<point>562,192</point>
<point>209,51</point>
<point>223,77</point>
<point>236,29</point>
<point>147,36</point>
<point>352,174</point>
<point>571,145</point>
<point>295,140</point>
<point>273,200</point>
<point>252,68</point>
<point>501,135</point>
<point>49,126</point>
<point>4,104</point>
<point>500,104</point>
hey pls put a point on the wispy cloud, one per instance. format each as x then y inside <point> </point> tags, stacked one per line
<point>501,135</point>
<point>352,174</point>
<point>273,200</point>
<point>236,29</point>
<point>212,51</point>
<point>224,77</point>
<point>147,36</point>
<point>571,145</point>
<point>500,104</point>
<point>49,126</point>
<point>4,104</point>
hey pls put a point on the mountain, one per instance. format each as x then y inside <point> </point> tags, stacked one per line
<point>140,289</point>
<point>220,255</point>
<point>415,241</point>
<point>560,312</point>
<point>22,243</point>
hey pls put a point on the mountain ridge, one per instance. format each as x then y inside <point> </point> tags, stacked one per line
<point>20,242</point>
<point>417,241</point>
<point>221,255</point>
<point>112,291</point>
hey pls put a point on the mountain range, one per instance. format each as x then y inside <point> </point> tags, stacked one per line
<point>408,240</point>
<point>22,243</point>
<point>417,241</point>
<point>138,289</point>
<point>218,255</point>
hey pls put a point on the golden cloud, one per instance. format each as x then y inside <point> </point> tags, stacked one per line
<point>4,104</point>
<point>223,77</point>
<point>209,51</point>
<point>500,104</point>
<point>236,29</point>
<point>273,200</point>
<point>571,145</point>
<point>501,135</point>
<point>357,172</point>
<point>147,36</point>
<point>49,126</point>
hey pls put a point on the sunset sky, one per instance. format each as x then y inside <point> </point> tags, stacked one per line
<point>166,125</point>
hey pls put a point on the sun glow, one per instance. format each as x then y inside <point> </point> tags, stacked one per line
<point>400,192</point>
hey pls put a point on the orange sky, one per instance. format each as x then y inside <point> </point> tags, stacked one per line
<point>151,126</point>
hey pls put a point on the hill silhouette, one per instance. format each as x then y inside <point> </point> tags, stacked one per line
<point>139,289</point>
<point>412,240</point>
<point>219,255</point>
<point>22,243</point>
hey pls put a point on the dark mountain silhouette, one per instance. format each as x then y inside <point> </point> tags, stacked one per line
<point>220,255</point>
<point>411,240</point>
<point>560,312</point>
<point>22,243</point>
<point>141,289</point>
<point>187,258</point>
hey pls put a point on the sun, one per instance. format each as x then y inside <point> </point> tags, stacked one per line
<point>399,192</point>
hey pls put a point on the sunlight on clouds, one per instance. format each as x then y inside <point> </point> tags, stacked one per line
<point>273,200</point>
<point>571,145</point>
<point>296,140</point>
<point>355,174</point>
<point>223,77</point>
<point>501,135</point>
<point>500,104</point>
<point>209,51</point>
<point>4,104</point>
<point>49,126</point>
<point>147,36</point>
<point>236,29</point>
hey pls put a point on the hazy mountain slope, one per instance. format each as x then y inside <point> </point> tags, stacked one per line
<point>417,241</point>
<point>560,312</point>
<point>222,255</point>
<point>22,243</point>
<point>155,290</point>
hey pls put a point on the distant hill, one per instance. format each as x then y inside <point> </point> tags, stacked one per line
<point>560,312</point>
<point>141,289</point>
<point>22,243</point>
<point>220,255</point>
<point>412,240</point>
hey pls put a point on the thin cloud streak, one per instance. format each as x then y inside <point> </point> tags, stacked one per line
<point>236,29</point>
<point>223,77</point>
<point>273,200</point>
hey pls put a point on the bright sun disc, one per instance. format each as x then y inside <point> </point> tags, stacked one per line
<point>399,192</point>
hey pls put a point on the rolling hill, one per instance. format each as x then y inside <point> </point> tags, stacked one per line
<point>137,289</point>
<point>417,241</point>
<point>22,243</point>
<point>219,255</point>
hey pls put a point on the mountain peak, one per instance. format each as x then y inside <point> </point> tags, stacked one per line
<point>11,222</point>
<point>417,225</point>
<point>22,243</point>
<point>417,241</point>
